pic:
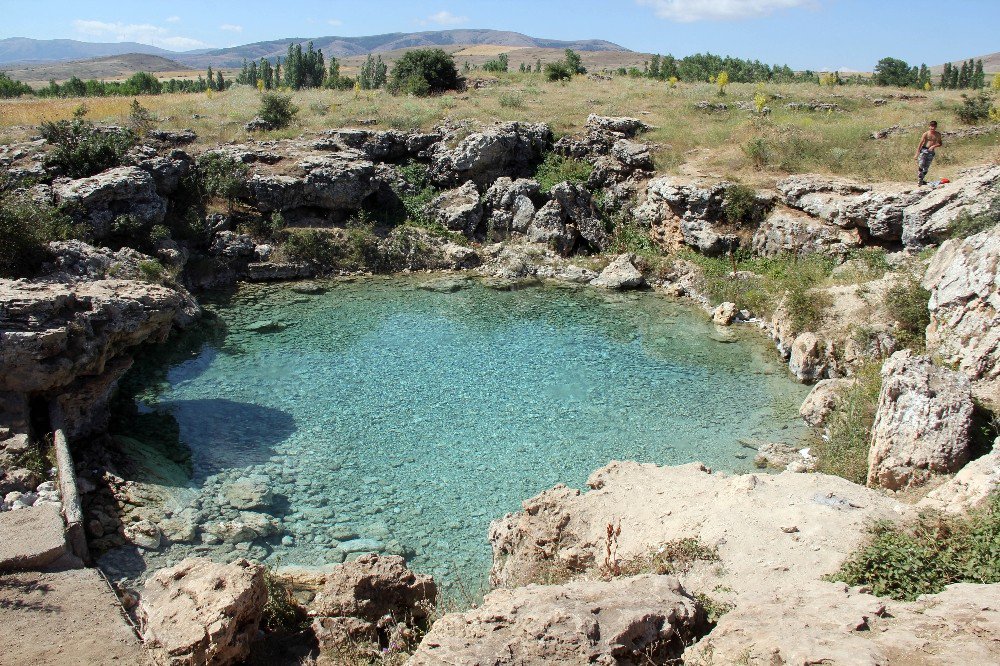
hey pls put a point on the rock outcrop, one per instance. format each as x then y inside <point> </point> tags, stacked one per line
<point>99,201</point>
<point>510,205</point>
<point>458,209</point>
<point>964,280</point>
<point>621,273</point>
<point>822,400</point>
<point>507,149</point>
<point>747,519</point>
<point>199,612</point>
<point>791,232</point>
<point>922,423</point>
<point>333,183</point>
<point>568,221</point>
<point>641,620</point>
<point>929,221</point>
<point>608,146</point>
<point>969,489</point>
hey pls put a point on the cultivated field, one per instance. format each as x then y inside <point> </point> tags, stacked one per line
<point>734,143</point>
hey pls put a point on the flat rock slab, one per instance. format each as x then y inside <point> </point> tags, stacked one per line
<point>64,617</point>
<point>31,538</point>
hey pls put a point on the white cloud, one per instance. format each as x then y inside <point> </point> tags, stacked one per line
<point>444,18</point>
<point>173,19</point>
<point>229,27</point>
<point>335,22</point>
<point>143,33</point>
<point>688,11</point>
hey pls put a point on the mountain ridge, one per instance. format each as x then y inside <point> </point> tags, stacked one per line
<point>22,50</point>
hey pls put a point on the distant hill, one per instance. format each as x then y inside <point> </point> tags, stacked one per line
<point>343,47</point>
<point>110,67</point>
<point>22,49</point>
<point>991,63</point>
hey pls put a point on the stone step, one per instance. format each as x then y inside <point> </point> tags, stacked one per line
<point>31,538</point>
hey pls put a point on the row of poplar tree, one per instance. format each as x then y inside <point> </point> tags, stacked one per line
<point>969,75</point>
<point>308,68</point>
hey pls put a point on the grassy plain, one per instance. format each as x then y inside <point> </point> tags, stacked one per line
<point>688,140</point>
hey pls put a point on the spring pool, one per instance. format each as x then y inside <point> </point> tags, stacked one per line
<point>403,414</point>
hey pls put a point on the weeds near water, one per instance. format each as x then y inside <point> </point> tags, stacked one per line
<point>844,452</point>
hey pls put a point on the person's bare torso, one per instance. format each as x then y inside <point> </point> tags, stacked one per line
<point>932,139</point>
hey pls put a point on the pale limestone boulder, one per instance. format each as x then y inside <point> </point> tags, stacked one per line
<point>101,199</point>
<point>620,274</point>
<point>971,488</point>
<point>922,423</point>
<point>371,587</point>
<point>964,280</point>
<point>822,400</point>
<point>787,231</point>
<point>810,359</point>
<point>458,209</point>
<point>641,620</point>
<point>200,612</point>
<point>725,314</point>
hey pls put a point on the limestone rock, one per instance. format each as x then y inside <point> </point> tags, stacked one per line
<point>143,534</point>
<point>686,210</point>
<point>32,537</point>
<point>629,127</point>
<point>964,280</point>
<point>810,360</point>
<point>641,620</point>
<point>507,149</point>
<point>232,246</point>
<point>970,488</point>
<point>922,423</point>
<point>725,314</point>
<point>621,273</point>
<point>251,493</point>
<point>928,221</point>
<point>247,526</point>
<point>510,206</point>
<point>568,221</point>
<point>99,200</point>
<point>791,232</point>
<point>458,209</point>
<point>784,456</point>
<point>199,612</point>
<point>377,146</point>
<point>371,587</point>
<point>337,182</point>
<point>822,400</point>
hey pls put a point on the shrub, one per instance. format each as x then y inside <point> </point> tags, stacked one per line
<point>924,556</point>
<point>315,246</point>
<point>281,611</point>
<point>556,169</point>
<point>424,71</point>
<point>497,65</point>
<point>671,558</point>
<point>906,302</point>
<point>741,208</point>
<point>630,237</point>
<point>140,120</point>
<point>845,451</point>
<point>512,100</point>
<point>975,109</point>
<point>26,228</point>
<point>558,71</point>
<point>758,152</point>
<point>277,110</point>
<point>11,88</point>
<point>222,176</point>
<point>152,270</point>
<point>80,149</point>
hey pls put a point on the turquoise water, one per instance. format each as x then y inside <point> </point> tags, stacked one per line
<point>409,418</point>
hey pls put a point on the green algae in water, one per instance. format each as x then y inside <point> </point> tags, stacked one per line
<point>390,416</point>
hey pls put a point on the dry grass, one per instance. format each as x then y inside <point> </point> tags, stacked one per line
<point>688,140</point>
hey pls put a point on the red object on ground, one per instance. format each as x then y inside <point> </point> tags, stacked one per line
<point>945,180</point>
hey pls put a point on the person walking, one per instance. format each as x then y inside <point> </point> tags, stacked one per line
<point>929,143</point>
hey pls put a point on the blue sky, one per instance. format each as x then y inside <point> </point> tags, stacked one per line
<point>817,34</point>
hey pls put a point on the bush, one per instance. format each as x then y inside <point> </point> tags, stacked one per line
<point>975,109</point>
<point>277,110</point>
<point>11,88</point>
<point>222,176</point>
<point>758,152</point>
<point>315,246</point>
<point>26,228</point>
<point>906,302</point>
<point>845,451</point>
<point>558,71</point>
<point>80,149</point>
<point>497,65</point>
<point>924,556</point>
<point>512,100</point>
<point>556,169</point>
<point>741,208</point>
<point>423,72</point>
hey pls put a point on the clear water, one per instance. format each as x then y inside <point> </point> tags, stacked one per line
<point>414,417</point>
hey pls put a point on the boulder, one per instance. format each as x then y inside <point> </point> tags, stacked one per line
<point>791,232</point>
<point>628,127</point>
<point>337,182</point>
<point>929,221</point>
<point>568,220</point>
<point>971,488</point>
<point>621,273</point>
<point>686,210</point>
<point>99,200</point>
<point>143,534</point>
<point>507,149</point>
<point>251,493</point>
<point>371,587</point>
<point>810,359</point>
<point>964,280</point>
<point>167,172</point>
<point>230,245</point>
<point>725,314</point>
<point>246,527</point>
<point>921,424</point>
<point>776,455</point>
<point>32,537</point>
<point>199,612</point>
<point>509,206</point>
<point>641,620</point>
<point>458,209</point>
<point>822,400</point>
<point>377,146</point>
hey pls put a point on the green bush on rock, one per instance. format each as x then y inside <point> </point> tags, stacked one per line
<point>26,228</point>
<point>845,451</point>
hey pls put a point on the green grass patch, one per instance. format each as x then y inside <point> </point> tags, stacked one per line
<point>922,557</point>
<point>556,169</point>
<point>906,302</point>
<point>845,451</point>
<point>967,224</point>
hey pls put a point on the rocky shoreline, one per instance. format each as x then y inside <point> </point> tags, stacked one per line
<point>752,586</point>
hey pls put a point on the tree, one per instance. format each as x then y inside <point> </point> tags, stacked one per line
<point>558,71</point>
<point>996,81</point>
<point>978,76</point>
<point>373,73</point>
<point>220,81</point>
<point>654,67</point>
<point>424,71</point>
<point>575,62</point>
<point>538,65</point>
<point>210,77</point>
<point>333,73</point>
<point>892,72</point>
<point>722,80</point>
<point>277,110</point>
<point>498,64</point>
<point>945,77</point>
